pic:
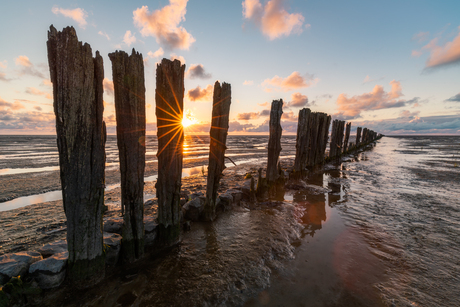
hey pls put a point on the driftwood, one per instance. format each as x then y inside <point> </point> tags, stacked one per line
<point>129,88</point>
<point>347,136</point>
<point>77,92</point>
<point>302,142</point>
<point>358,136</point>
<point>169,98</point>
<point>217,145</point>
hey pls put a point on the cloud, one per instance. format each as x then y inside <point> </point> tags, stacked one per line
<point>78,14</point>
<point>156,54</point>
<point>265,112</point>
<point>248,116</point>
<point>4,64</point>
<point>292,82</point>
<point>289,116</point>
<point>9,105</point>
<point>408,114</point>
<point>368,79</point>
<point>298,101</point>
<point>4,78</point>
<point>443,55</point>
<point>455,98</point>
<point>349,108</point>
<point>108,86</point>
<point>37,92</point>
<point>199,94</point>
<point>129,38</point>
<point>416,53</point>
<point>173,57</point>
<point>248,82</point>
<point>163,24</point>
<point>27,68</point>
<point>421,37</point>
<point>236,126</point>
<point>47,82</point>
<point>273,19</point>
<point>104,34</point>
<point>444,124</point>
<point>196,71</point>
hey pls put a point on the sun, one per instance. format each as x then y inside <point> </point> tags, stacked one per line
<point>188,119</point>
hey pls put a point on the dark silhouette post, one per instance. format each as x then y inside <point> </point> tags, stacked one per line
<point>324,122</point>
<point>274,141</point>
<point>336,138</point>
<point>169,98</point>
<point>302,142</point>
<point>347,136</point>
<point>217,145</point>
<point>129,88</point>
<point>77,93</point>
<point>358,136</point>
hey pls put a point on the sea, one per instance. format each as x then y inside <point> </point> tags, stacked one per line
<point>379,228</point>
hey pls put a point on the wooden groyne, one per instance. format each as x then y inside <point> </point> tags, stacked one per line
<point>81,134</point>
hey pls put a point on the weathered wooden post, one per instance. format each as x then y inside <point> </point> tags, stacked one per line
<point>169,98</point>
<point>358,136</point>
<point>274,141</point>
<point>336,139</point>
<point>323,135</point>
<point>302,142</point>
<point>129,88</point>
<point>77,93</point>
<point>364,137</point>
<point>218,138</point>
<point>347,136</point>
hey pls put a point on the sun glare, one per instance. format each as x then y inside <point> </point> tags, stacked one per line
<point>188,119</point>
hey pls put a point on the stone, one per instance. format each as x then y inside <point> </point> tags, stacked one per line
<point>225,202</point>
<point>236,194</point>
<point>193,209</point>
<point>113,225</point>
<point>53,248</point>
<point>50,272</point>
<point>112,242</point>
<point>151,229</point>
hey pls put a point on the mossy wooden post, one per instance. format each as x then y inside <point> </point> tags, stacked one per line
<point>302,142</point>
<point>218,138</point>
<point>274,141</point>
<point>347,136</point>
<point>169,99</point>
<point>129,88</point>
<point>77,93</point>
<point>358,136</point>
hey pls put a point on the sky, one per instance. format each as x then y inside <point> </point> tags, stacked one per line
<point>390,66</point>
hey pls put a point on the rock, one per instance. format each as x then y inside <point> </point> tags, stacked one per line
<point>194,208</point>
<point>53,248</point>
<point>13,265</point>
<point>50,272</point>
<point>236,194</point>
<point>225,202</point>
<point>149,202</point>
<point>150,227</point>
<point>113,225</point>
<point>195,195</point>
<point>113,243</point>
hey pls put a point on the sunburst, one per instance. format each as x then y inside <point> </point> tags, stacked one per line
<point>189,119</point>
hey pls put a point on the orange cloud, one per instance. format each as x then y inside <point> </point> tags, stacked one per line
<point>298,100</point>
<point>163,24</point>
<point>447,54</point>
<point>292,82</point>
<point>248,82</point>
<point>78,14</point>
<point>12,106</point>
<point>27,68</point>
<point>108,86</point>
<point>156,54</point>
<point>173,57</point>
<point>248,116</point>
<point>349,108</point>
<point>3,64</point>
<point>199,94</point>
<point>129,38</point>
<point>273,19</point>
<point>104,34</point>
<point>22,60</point>
<point>196,71</point>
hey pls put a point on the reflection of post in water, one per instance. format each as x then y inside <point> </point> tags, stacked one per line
<point>212,244</point>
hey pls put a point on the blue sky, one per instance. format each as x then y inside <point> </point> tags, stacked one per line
<point>391,66</point>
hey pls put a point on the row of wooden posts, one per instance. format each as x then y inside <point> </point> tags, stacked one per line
<point>77,80</point>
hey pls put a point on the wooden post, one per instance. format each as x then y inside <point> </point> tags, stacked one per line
<point>274,141</point>
<point>129,88</point>
<point>313,135</point>
<point>323,134</point>
<point>169,98</point>
<point>218,138</point>
<point>336,139</point>
<point>347,136</point>
<point>77,92</point>
<point>302,142</point>
<point>358,136</point>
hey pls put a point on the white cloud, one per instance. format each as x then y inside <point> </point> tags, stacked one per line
<point>78,14</point>
<point>129,38</point>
